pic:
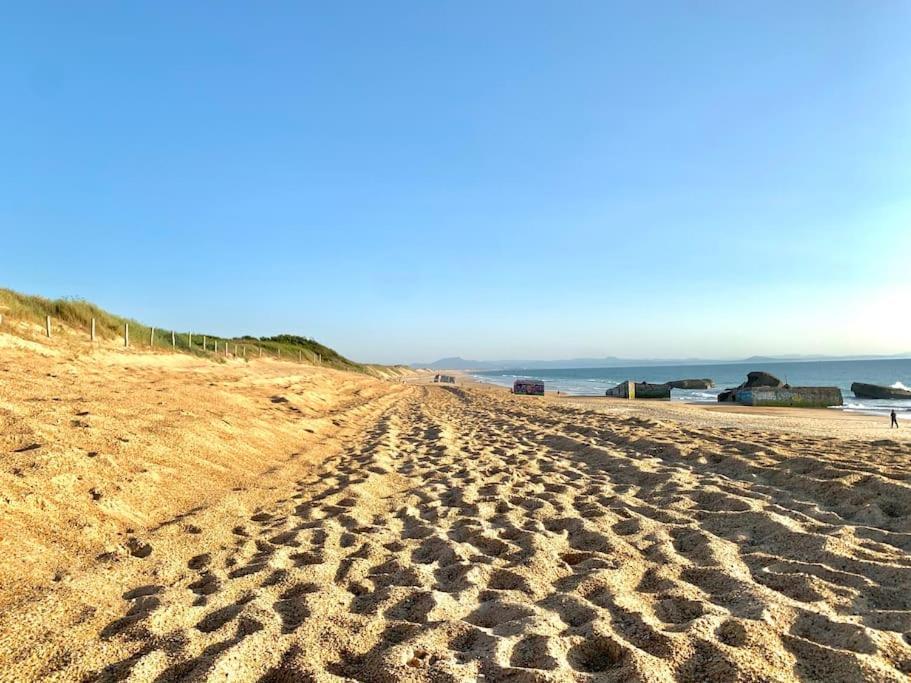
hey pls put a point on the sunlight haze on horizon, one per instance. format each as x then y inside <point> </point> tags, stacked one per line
<point>409,181</point>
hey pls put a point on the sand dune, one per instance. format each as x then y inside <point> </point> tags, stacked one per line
<point>460,534</point>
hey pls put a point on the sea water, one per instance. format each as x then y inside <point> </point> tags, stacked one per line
<point>594,381</point>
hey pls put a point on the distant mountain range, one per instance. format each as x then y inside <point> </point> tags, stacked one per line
<point>457,363</point>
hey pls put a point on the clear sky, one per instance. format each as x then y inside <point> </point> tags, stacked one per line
<point>410,180</point>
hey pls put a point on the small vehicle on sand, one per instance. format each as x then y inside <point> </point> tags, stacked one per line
<point>529,387</point>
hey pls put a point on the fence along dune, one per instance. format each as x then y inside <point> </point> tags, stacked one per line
<point>100,325</point>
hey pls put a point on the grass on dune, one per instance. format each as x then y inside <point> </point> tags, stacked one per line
<point>78,314</point>
<point>73,312</point>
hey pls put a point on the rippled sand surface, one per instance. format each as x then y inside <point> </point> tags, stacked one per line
<point>371,531</point>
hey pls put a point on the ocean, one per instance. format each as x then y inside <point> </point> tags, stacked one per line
<point>841,373</point>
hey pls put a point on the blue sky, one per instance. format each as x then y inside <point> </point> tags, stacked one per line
<point>410,180</point>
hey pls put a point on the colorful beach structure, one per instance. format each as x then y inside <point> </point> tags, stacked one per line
<point>763,389</point>
<point>795,397</point>
<point>630,389</point>
<point>529,387</point>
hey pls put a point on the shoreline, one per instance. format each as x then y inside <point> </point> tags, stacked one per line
<point>592,383</point>
<point>845,423</point>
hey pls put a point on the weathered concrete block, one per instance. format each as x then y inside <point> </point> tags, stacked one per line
<point>758,378</point>
<point>690,384</point>
<point>623,390</point>
<point>798,397</point>
<point>649,390</point>
<point>630,389</point>
<point>862,390</point>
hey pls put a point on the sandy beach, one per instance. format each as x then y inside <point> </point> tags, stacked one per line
<point>167,518</point>
<point>271,273</point>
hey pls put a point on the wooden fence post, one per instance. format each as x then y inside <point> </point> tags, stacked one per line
<point>279,352</point>
<point>215,346</point>
<point>203,342</point>
<point>126,334</point>
<point>245,351</point>
<point>190,340</point>
<point>47,325</point>
<point>93,329</point>
<point>235,350</point>
<point>226,349</point>
<point>152,336</point>
<point>260,351</point>
<point>173,339</point>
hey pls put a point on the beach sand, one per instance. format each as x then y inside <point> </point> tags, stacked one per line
<point>167,518</point>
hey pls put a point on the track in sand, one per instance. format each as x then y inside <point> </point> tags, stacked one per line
<point>468,535</point>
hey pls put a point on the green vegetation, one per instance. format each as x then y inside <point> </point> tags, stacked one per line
<point>294,347</point>
<point>72,312</point>
<point>78,314</point>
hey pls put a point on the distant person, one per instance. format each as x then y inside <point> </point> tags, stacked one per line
<point>894,421</point>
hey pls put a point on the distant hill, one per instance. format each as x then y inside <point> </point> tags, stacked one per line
<point>457,363</point>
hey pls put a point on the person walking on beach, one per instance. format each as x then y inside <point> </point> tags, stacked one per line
<point>894,421</point>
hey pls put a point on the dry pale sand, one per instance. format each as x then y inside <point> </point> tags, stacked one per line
<point>266,523</point>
